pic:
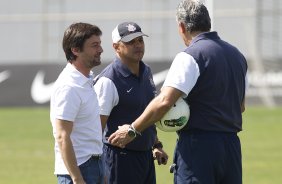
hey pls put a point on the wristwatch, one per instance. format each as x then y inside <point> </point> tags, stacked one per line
<point>132,132</point>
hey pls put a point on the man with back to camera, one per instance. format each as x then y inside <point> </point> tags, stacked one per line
<point>74,109</point>
<point>210,74</point>
<point>124,88</point>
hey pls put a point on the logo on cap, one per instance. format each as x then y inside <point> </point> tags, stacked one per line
<point>131,27</point>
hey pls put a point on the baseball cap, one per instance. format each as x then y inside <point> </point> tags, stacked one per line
<point>126,32</point>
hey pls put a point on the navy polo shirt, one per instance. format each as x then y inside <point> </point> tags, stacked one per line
<point>220,89</point>
<point>135,93</point>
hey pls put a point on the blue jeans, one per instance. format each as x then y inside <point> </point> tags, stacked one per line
<point>92,172</point>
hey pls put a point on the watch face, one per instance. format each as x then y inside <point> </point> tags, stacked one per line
<point>131,133</point>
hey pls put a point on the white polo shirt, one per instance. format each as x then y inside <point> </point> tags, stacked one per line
<point>73,99</point>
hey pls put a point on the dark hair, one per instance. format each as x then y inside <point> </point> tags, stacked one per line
<point>75,36</point>
<point>194,15</point>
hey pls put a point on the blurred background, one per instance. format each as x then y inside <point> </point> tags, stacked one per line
<point>31,34</point>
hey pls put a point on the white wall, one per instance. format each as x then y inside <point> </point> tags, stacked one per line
<point>32,32</point>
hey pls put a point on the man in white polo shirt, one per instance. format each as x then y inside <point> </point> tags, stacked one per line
<point>74,109</point>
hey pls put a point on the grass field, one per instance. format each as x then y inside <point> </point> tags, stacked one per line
<point>27,157</point>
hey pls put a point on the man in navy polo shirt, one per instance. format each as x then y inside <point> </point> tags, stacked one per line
<point>210,74</point>
<point>124,89</point>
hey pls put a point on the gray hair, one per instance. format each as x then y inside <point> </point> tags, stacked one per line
<point>194,15</point>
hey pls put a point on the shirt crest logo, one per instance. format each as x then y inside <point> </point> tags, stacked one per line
<point>131,27</point>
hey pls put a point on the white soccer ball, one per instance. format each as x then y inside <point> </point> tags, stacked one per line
<point>176,118</point>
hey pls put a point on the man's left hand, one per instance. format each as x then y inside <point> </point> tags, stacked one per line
<point>120,138</point>
<point>160,155</point>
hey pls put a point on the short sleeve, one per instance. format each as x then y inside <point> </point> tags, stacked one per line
<point>183,73</point>
<point>107,95</point>
<point>67,103</point>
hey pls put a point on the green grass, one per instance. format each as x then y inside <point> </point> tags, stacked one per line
<point>262,146</point>
<point>27,157</point>
<point>26,145</point>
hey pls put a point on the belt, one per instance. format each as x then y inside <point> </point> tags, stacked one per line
<point>96,156</point>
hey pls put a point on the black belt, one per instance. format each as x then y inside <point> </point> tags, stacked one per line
<point>92,158</point>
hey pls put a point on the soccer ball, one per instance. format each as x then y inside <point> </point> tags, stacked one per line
<point>176,118</point>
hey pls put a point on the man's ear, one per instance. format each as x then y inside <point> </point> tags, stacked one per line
<point>116,46</point>
<point>181,28</point>
<point>75,50</point>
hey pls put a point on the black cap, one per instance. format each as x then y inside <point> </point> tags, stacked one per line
<point>126,32</point>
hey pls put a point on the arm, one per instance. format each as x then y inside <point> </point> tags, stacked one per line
<point>181,78</point>
<point>246,88</point>
<point>104,120</point>
<point>108,98</point>
<point>243,106</point>
<point>153,112</point>
<point>157,108</point>
<point>63,131</point>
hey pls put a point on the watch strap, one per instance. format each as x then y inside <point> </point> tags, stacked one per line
<point>136,132</point>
